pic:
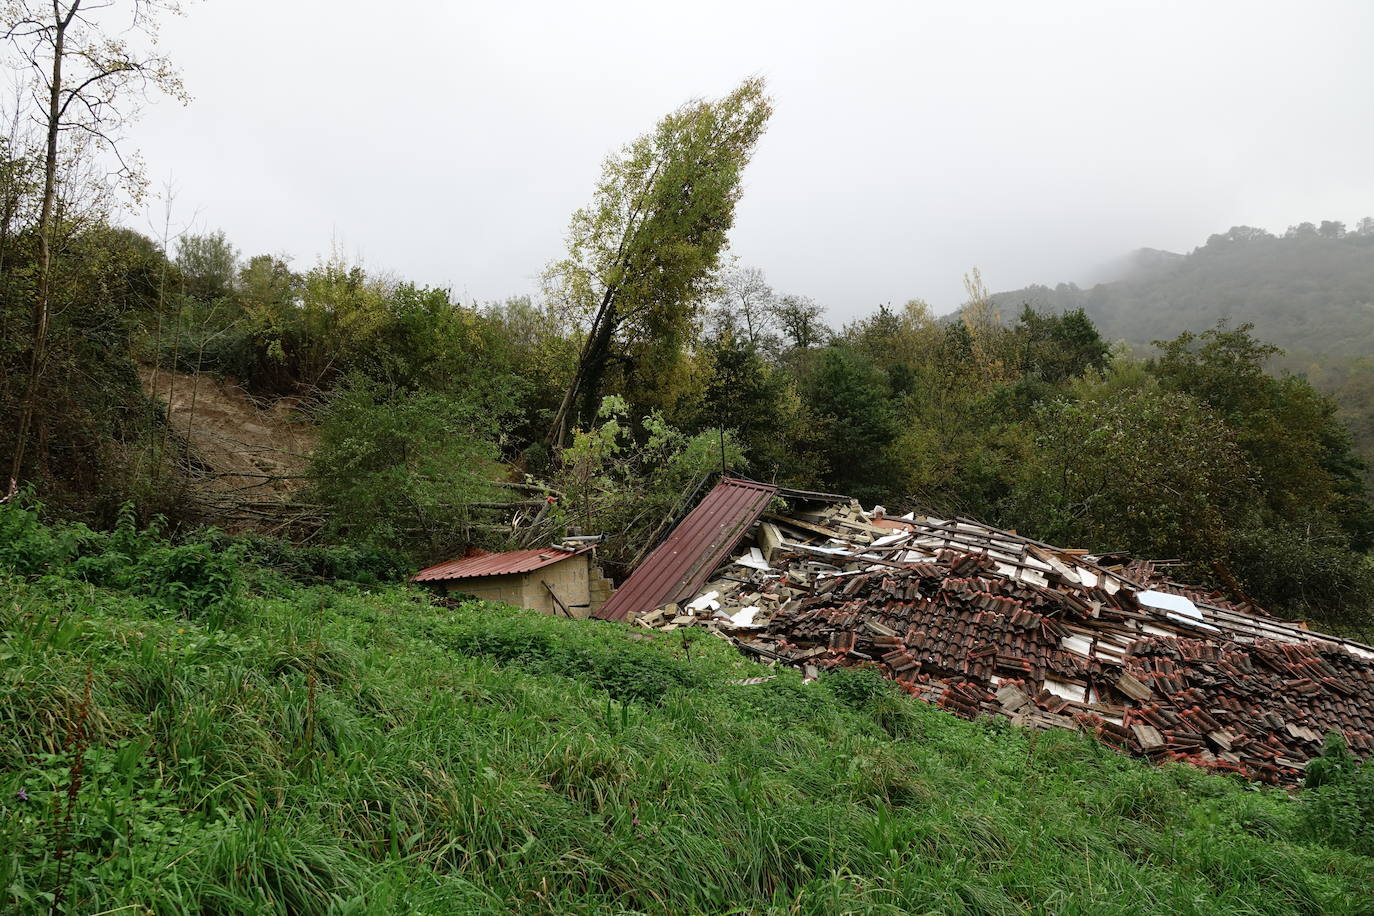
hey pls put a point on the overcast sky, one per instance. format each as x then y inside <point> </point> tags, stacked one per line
<point>449,142</point>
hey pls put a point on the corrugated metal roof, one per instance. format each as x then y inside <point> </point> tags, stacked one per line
<point>681,564</point>
<point>495,564</point>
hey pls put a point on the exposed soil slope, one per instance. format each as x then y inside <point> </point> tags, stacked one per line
<point>247,455</point>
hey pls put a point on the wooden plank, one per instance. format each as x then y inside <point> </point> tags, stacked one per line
<point>1148,736</point>
<point>556,600</point>
<point>798,525</point>
<point>1133,687</point>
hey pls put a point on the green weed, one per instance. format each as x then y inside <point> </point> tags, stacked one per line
<point>345,750</point>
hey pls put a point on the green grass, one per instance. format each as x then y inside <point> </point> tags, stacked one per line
<point>312,749</point>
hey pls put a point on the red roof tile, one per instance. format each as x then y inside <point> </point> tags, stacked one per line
<point>495,564</point>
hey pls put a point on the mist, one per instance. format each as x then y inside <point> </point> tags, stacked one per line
<point>449,143</point>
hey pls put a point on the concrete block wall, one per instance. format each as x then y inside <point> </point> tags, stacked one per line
<point>600,588</point>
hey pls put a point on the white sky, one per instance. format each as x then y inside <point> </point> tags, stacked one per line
<point>449,142</point>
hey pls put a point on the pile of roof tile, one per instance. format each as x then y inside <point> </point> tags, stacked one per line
<point>986,622</point>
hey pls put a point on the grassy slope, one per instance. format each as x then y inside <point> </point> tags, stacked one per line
<point>346,751</point>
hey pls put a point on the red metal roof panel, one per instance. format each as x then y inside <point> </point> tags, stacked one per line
<point>682,563</point>
<point>495,564</point>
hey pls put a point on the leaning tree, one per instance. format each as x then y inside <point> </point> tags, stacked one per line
<point>643,256</point>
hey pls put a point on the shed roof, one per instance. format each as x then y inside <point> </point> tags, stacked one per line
<point>678,567</point>
<point>496,564</point>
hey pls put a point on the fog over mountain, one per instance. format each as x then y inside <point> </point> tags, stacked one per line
<point>911,142</point>
<point>1309,290</point>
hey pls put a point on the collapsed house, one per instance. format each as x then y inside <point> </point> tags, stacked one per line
<point>982,621</point>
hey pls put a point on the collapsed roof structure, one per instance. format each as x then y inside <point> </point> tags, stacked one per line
<point>983,621</point>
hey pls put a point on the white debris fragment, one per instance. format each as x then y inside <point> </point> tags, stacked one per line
<point>1080,644</point>
<point>706,602</point>
<point>754,560</point>
<point>1077,693</point>
<point>745,617</point>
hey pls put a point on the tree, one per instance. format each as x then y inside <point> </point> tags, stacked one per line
<point>1149,471</point>
<point>626,488</point>
<point>407,468</point>
<point>800,318</point>
<point>641,258</point>
<point>1301,231</point>
<point>1055,348</point>
<point>1331,229</point>
<point>756,400</point>
<point>1290,432</point>
<point>209,264</point>
<point>18,176</point>
<point>90,79</point>
<point>989,339</point>
<point>853,424</point>
<point>1240,234</point>
<point>747,305</point>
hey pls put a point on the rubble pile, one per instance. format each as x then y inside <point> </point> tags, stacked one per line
<point>986,622</point>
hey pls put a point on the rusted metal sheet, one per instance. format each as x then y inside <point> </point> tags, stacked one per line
<point>495,564</point>
<point>681,564</point>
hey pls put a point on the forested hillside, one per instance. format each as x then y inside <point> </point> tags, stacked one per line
<point>442,424</point>
<point>1309,292</point>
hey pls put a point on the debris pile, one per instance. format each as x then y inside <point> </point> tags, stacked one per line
<point>987,622</point>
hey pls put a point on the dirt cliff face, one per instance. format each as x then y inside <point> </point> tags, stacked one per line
<point>246,456</point>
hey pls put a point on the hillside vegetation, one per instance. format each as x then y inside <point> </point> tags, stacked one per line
<point>1309,291</point>
<point>187,730</point>
<point>197,723</point>
<point>651,360</point>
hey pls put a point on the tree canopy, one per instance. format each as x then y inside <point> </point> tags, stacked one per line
<point>642,256</point>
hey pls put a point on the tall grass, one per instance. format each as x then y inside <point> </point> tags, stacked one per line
<point>341,749</point>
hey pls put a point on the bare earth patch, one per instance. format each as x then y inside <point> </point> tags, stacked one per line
<point>247,455</point>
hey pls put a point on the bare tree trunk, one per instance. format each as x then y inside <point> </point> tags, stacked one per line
<point>172,378</point>
<point>595,372</point>
<point>598,336</point>
<point>195,381</point>
<point>12,197</point>
<point>11,192</point>
<point>596,349</point>
<point>41,309</point>
<point>154,455</point>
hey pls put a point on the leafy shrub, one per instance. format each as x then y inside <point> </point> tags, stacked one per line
<point>307,563</point>
<point>27,546</point>
<point>858,688</point>
<point>1337,807</point>
<point>785,701</point>
<point>400,467</point>
<point>201,580</point>
<point>628,672</point>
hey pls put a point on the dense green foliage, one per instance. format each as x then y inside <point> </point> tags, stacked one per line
<point>1338,807</point>
<point>430,410</point>
<point>406,468</point>
<point>97,437</point>
<point>645,253</point>
<point>433,415</point>
<point>613,483</point>
<point>346,750</point>
<point>1309,291</point>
